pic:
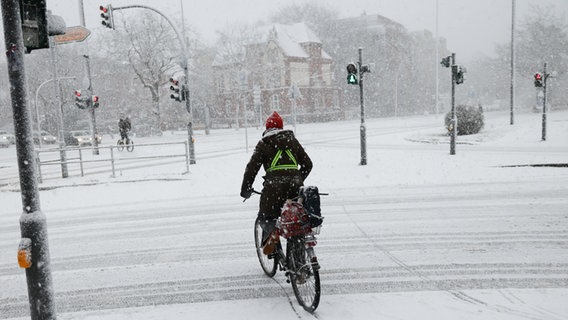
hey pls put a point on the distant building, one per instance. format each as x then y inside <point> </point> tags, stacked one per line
<point>284,69</point>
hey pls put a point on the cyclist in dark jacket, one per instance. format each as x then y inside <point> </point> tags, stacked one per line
<point>286,164</point>
<point>124,126</point>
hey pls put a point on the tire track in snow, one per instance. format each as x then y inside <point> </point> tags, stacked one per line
<point>451,278</point>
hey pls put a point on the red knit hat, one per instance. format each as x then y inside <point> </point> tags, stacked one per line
<point>274,121</point>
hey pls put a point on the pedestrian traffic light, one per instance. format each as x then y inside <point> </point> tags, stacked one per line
<point>538,80</point>
<point>79,100</point>
<point>95,100</point>
<point>106,16</point>
<point>174,88</point>
<point>352,74</point>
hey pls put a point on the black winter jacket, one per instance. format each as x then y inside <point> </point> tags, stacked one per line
<point>280,183</point>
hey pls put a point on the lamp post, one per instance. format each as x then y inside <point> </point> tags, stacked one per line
<point>37,105</point>
<point>512,120</point>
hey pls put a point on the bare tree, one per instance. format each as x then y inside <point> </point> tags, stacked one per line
<point>541,37</point>
<point>152,54</point>
<point>316,17</point>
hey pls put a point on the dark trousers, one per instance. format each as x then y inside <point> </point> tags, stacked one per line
<point>275,192</point>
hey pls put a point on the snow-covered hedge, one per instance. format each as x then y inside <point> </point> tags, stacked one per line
<point>470,119</point>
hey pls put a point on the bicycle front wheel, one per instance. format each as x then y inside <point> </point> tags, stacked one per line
<point>129,145</point>
<point>304,274</point>
<point>268,265</point>
<point>120,145</point>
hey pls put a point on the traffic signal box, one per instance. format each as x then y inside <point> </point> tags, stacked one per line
<point>106,16</point>
<point>352,74</point>
<point>538,80</point>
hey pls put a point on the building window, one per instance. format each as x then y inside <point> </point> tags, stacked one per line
<point>274,77</point>
<point>275,102</point>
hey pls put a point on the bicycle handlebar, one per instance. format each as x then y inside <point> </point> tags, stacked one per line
<point>259,193</point>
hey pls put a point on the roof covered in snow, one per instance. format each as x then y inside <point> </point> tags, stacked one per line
<point>289,39</point>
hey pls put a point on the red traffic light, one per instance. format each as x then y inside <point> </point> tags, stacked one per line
<point>78,93</point>
<point>538,76</point>
<point>95,99</point>
<point>103,9</point>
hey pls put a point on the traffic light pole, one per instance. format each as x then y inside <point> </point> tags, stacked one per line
<point>62,152</point>
<point>188,108</point>
<point>90,105</point>
<point>186,74</point>
<point>454,121</point>
<point>545,76</point>
<point>362,127</point>
<point>33,227</point>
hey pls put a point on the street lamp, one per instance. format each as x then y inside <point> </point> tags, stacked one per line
<point>37,106</point>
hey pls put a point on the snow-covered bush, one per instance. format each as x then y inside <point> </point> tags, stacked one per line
<point>470,119</point>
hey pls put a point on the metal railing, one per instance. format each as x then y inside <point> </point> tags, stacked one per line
<point>107,159</point>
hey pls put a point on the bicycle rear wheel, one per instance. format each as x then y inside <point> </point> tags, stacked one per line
<point>268,265</point>
<point>120,145</point>
<point>304,274</point>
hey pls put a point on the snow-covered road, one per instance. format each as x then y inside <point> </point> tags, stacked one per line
<point>416,229</point>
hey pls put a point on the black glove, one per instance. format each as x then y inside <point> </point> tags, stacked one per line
<point>246,193</point>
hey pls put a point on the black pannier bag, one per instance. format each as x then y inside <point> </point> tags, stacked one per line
<point>311,204</point>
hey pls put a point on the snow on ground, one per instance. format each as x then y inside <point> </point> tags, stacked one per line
<point>415,234</point>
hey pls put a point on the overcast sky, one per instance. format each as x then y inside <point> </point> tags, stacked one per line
<point>470,26</point>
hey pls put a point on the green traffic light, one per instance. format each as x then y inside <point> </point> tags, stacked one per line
<point>352,79</point>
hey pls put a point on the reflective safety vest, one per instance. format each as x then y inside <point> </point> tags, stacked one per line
<point>275,166</point>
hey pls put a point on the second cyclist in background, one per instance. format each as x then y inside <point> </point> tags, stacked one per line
<point>124,127</point>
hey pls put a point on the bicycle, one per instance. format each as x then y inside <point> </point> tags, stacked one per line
<point>125,142</point>
<point>298,260</point>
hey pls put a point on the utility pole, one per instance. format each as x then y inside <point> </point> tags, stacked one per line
<point>33,252</point>
<point>512,63</point>
<point>437,67</point>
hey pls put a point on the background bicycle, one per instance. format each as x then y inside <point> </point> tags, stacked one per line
<point>125,143</point>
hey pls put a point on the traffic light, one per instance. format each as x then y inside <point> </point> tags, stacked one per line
<point>538,80</point>
<point>106,16</point>
<point>459,74</point>
<point>95,100</point>
<point>79,100</point>
<point>352,74</point>
<point>33,15</point>
<point>446,61</point>
<point>174,87</point>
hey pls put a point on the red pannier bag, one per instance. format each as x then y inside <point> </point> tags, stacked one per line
<point>293,221</point>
